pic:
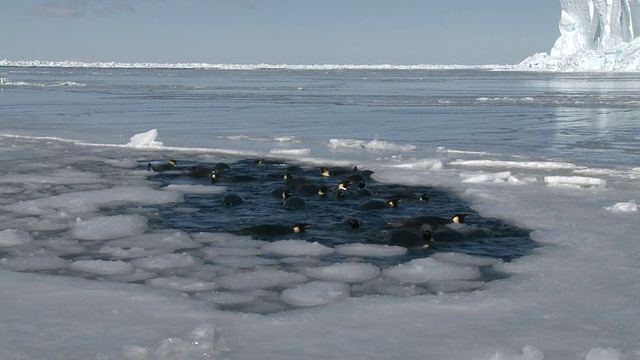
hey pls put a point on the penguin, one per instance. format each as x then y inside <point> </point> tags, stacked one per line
<point>292,202</point>
<point>308,189</point>
<point>277,192</point>
<point>293,182</point>
<point>363,190</point>
<point>377,204</point>
<point>232,199</point>
<point>170,165</point>
<point>324,171</point>
<point>199,171</point>
<point>322,190</point>
<point>341,192</point>
<point>216,177</point>
<point>409,238</point>
<point>412,197</point>
<point>274,229</point>
<point>433,221</point>
<point>352,223</point>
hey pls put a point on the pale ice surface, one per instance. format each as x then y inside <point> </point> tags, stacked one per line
<point>595,35</point>
<point>577,266</point>
<point>576,296</point>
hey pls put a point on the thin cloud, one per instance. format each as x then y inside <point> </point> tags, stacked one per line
<point>70,9</point>
<point>61,9</point>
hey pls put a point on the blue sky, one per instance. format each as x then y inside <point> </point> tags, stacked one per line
<point>279,31</point>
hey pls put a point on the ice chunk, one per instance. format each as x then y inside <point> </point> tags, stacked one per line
<point>260,279</point>
<point>629,206</point>
<point>196,189</point>
<point>425,270</point>
<point>243,262</point>
<point>166,262</point>
<point>33,263</point>
<point>103,267</point>
<point>297,248</point>
<point>83,202</point>
<point>370,250</point>
<point>13,237</point>
<point>344,272</point>
<point>315,293</point>
<point>146,139</point>
<point>109,227</point>
<point>488,177</point>
<point>290,151</point>
<point>169,240</point>
<point>603,354</point>
<point>575,181</point>
<point>182,284</point>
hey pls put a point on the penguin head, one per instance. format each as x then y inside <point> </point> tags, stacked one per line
<point>343,185</point>
<point>258,162</point>
<point>424,197</point>
<point>325,171</point>
<point>300,227</point>
<point>173,163</point>
<point>286,194</point>
<point>288,176</point>
<point>393,202</point>
<point>458,218</point>
<point>353,223</point>
<point>427,236</point>
<point>215,176</point>
<point>322,191</point>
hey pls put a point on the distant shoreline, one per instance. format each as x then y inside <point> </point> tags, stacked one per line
<point>208,66</point>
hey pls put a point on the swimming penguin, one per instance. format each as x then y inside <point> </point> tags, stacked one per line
<point>217,177</point>
<point>324,171</point>
<point>341,192</point>
<point>352,223</point>
<point>274,229</point>
<point>377,204</point>
<point>322,190</point>
<point>409,238</point>
<point>363,190</point>
<point>170,165</point>
<point>277,192</point>
<point>232,200</point>
<point>200,171</point>
<point>292,202</point>
<point>418,221</point>
<point>411,197</point>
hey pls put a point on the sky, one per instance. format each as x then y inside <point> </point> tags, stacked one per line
<point>403,32</point>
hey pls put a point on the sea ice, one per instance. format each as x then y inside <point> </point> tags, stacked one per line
<point>147,139</point>
<point>575,181</point>
<point>370,250</point>
<point>109,227</point>
<point>315,293</point>
<point>243,262</point>
<point>629,206</point>
<point>424,270</point>
<point>166,262</point>
<point>167,240</point>
<point>297,248</point>
<point>13,237</point>
<point>182,284</point>
<point>343,272</point>
<point>196,189</point>
<point>103,267</point>
<point>259,279</point>
<point>33,263</point>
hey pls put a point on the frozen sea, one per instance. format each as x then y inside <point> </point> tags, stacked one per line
<point>91,266</point>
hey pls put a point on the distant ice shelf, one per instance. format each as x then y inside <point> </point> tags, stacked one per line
<point>595,35</point>
<point>210,66</point>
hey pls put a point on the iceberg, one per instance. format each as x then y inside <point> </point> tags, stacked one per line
<point>595,35</point>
